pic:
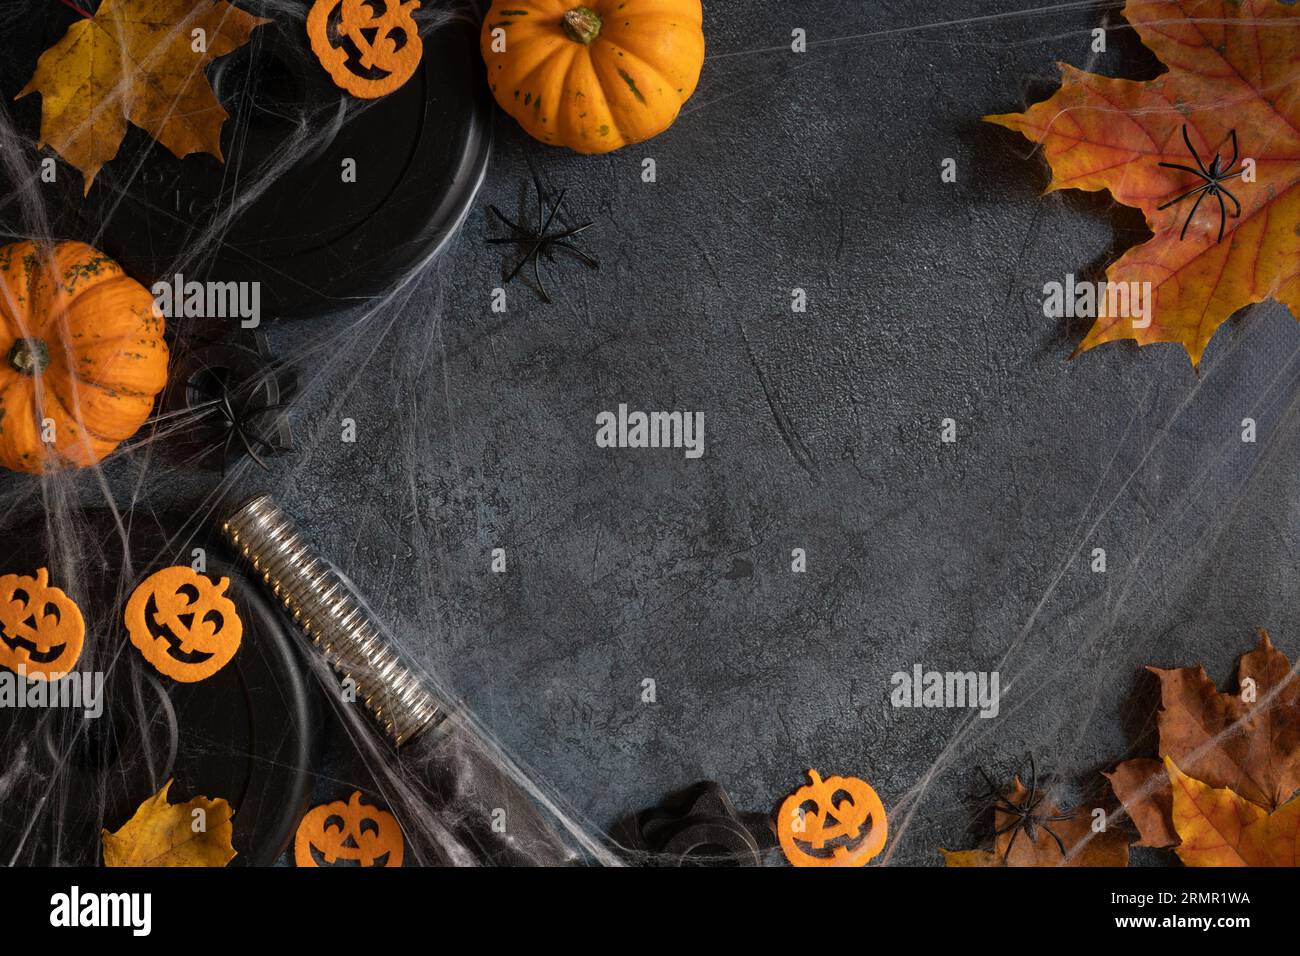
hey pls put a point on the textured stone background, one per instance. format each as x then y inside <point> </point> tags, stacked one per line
<point>819,171</point>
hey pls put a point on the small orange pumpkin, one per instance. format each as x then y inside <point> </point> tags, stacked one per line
<point>354,832</point>
<point>183,623</point>
<point>815,829</point>
<point>82,356</point>
<point>41,628</point>
<point>594,76</point>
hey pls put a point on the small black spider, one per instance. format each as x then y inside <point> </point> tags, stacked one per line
<point>1026,816</point>
<point>236,408</point>
<point>1213,177</point>
<point>541,241</point>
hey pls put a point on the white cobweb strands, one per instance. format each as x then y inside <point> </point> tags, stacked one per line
<point>411,508</point>
<point>434,797</point>
<point>86,524</point>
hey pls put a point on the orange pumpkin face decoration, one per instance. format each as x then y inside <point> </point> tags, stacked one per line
<point>183,623</point>
<point>354,832</point>
<point>817,829</point>
<point>368,47</point>
<point>41,628</point>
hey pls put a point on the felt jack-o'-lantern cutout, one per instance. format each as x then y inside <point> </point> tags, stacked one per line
<point>821,823</point>
<point>41,628</point>
<point>183,623</point>
<point>352,833</point>
<point>368,47</point>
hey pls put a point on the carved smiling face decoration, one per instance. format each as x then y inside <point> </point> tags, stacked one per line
<point>41,628</point>
<point>821,823</point>
<point>368,47</point>
<point>183,623</point>
<point>353,833</point>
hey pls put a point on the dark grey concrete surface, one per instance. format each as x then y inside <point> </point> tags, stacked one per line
<point>819,171</point>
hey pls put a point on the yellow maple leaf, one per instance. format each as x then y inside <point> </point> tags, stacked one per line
<point>142,61</point>
<point>1219,828</point>
<point>164,834</point>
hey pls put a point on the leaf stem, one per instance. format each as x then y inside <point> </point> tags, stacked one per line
<point>72,6</point>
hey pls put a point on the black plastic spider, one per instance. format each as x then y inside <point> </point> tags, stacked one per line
<point>1026,816</point>
<point>236,407</point>
<point>541,241</point>
<point>1213,177</point>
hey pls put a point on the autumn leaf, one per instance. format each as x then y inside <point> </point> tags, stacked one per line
<point>970,858</point>
<point>1247,741</point>
<point>1079,845</point>
<point>163,834</point>
<point>1218,827</point>
<point>142,61</point>
<point>1232,65</point>
<point>1143,789</point>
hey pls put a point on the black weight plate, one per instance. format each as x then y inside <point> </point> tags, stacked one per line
<point>247,733</point>
<point>312,240</point>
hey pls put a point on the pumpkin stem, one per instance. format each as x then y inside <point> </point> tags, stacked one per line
<point>582,24</point>
<point>29,356</point>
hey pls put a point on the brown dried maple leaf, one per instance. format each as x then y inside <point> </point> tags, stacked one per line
<point>137,60</point>
<point>1078,846</point>
<point>1247,742</point>
<point>1233,65</point>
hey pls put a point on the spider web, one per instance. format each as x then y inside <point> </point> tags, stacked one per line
<point>473,435</point>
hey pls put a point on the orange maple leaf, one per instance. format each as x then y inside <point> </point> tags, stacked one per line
<point>142,61</point>
<point>1247,741</point>
<point>1219,828</point>
<point>1079,845</point>
<point>1233,65</point>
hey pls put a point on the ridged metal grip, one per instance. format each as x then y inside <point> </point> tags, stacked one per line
<point>330,612</point>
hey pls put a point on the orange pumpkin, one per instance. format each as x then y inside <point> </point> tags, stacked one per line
<point>82,356</point>
<point>596,76</point>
